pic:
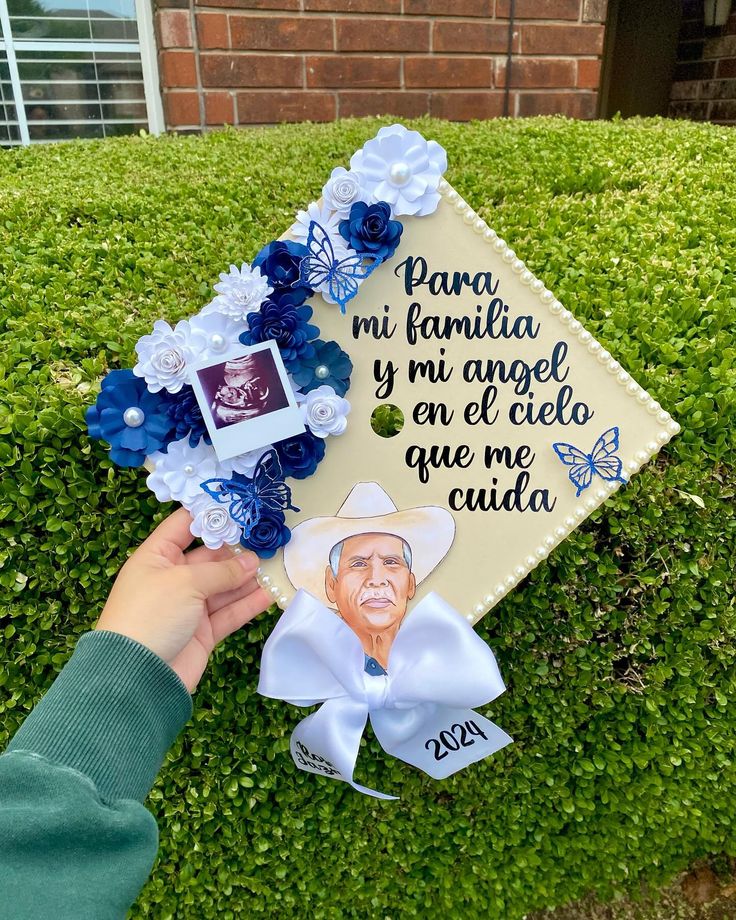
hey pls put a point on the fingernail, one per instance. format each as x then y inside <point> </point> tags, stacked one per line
<point>245,560</point>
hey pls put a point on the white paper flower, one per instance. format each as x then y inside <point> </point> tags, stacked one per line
<point>246,463</point>
<point>343,189</point>
<point>178,473</point>
<point>212,335</point>
<point>323,411</point>
<point>239,293</point>
<point>402,168</point>
<point>329,221</point>
<point>162,356</point>
<point>212,523</point>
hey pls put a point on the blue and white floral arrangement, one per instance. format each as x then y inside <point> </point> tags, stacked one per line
<point>150,415</point>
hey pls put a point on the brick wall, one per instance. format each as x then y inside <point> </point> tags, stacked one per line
<point>266,61</point>
<point>704,88</point>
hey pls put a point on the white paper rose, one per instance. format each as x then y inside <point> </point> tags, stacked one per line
<point>212,523</point>
<point>211,335</point>
<point>402,168</point>
<point>329,221</point>
<point>323,411</point>
<point>343,189</point>
<point>246,463</point>
<point>162,356</point>
<point>178,473</point>
<point>239,293</point>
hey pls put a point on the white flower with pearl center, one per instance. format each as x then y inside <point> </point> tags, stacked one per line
<point>402,168</point>
<point>323,411</point>
<point>212,335</point>
<point>342,190</point>
<point>239,293</point>
<point>178,473</point>
<point>212,523</point>
<point>162,356</point>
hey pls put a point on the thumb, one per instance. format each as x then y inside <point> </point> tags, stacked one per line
<point>211,578</point>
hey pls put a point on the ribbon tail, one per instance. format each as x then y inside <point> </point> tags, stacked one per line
<point>327,742</point>
<point>438,739</point>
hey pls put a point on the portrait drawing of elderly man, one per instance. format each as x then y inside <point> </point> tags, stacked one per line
<point>366,563</point>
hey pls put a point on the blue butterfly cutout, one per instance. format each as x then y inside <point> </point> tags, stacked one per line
<point>248,497</point>
<point>599,461</point>
<point>321,268</point>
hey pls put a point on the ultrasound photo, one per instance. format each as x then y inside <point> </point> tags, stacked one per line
<point>243,388</point>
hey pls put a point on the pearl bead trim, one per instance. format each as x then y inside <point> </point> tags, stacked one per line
<point>605,490</point>
<point>548,299</point>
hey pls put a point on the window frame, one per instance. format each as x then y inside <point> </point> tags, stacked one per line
<point>145,46</point>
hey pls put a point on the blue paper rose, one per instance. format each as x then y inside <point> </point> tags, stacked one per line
<point>268,535</point>
<point>186,416</point>
<point>279,262</point>
<point>300,455</point>
<point>287,325</point>
<point>328,365</point>
<point>370,231</point>
<point>133,421</point>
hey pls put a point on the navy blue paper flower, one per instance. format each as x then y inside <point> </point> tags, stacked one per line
<point>300,455</point>
<point>186,416</point>
<point>370,231</point>
<point>134,421</point>
<point>285,324</point>
<point>328,365</point>
<point>279,262</point>
<point>268,535</point>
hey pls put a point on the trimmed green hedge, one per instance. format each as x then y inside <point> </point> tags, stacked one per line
<point>618,650</point>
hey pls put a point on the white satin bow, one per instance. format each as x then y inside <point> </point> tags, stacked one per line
<point>438,668</point>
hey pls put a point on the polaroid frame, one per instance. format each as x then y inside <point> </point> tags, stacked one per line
<point>250,434</point>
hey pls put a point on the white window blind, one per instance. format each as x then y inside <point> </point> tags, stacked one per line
<point>76,68</point>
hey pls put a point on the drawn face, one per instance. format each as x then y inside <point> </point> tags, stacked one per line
<point>373,584</point>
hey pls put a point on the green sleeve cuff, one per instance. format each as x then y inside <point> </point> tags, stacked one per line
<point>112,714</point>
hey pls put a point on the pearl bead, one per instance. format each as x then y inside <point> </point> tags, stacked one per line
<point>188,469</point>
<point>399,173</point>
<point>217,342</point>
<point>322,372</point>
<point>134,417</point>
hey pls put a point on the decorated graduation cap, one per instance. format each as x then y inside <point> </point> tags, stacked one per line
<point>383,551</point>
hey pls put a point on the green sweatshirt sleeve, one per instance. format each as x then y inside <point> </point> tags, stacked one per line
<point>75,838</point>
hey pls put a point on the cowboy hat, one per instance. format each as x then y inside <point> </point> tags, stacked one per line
<point>429,531</point>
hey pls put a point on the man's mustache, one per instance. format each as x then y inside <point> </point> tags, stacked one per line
<point>377,595</point>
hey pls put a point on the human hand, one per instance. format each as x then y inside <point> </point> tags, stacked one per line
<point>181,605</point>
